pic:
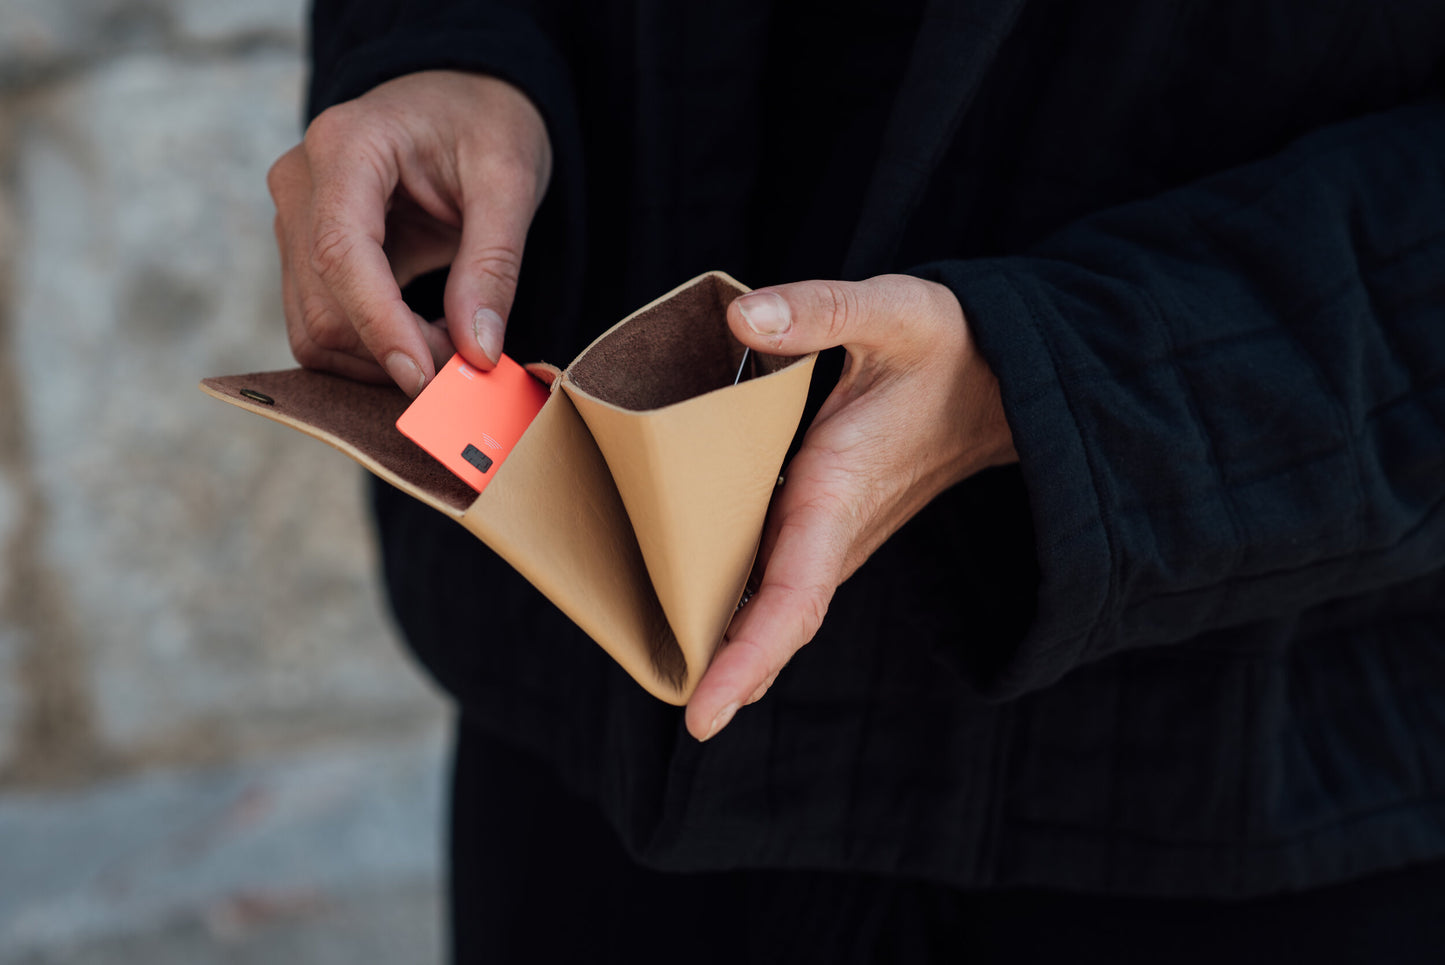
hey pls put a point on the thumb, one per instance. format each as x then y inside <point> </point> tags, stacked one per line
<point>809,316</point>
<point>483,279</point>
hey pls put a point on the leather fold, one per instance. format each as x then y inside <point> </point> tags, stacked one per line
<point>636,498</point>
<point>695,475</point>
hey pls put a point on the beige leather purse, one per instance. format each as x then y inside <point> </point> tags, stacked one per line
<point>634,501</point>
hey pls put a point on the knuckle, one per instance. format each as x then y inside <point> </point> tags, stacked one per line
<point>814,602</point>
<point>753,650</point>
<point>314,315</point>
<point>843,309</point>
<point>280,175</point>
<point>763,661</point>
<point>367,330</point>
<point>509,175</point>
<point>498,262</point>
<point>335,125</point>
<point>330,249</point>
<point>844,511</point>
<point>319,326</point>
<point>809,604</point>
<point>346,135</point>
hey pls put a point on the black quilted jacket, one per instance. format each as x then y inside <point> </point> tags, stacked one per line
<point>1195,642</point>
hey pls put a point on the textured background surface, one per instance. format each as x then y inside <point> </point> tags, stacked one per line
<point>210,746</point>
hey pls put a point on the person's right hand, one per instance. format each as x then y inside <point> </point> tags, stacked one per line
<point>428,170</point>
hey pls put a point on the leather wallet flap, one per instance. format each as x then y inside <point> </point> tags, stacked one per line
<point>640,521</point>
<point>354,417</point>
<point>552,512</point>
<point>694,457</point>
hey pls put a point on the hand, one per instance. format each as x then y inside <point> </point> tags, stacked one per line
<point>428,170</point>
<point>917,409</point>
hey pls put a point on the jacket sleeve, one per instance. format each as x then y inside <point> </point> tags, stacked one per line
<point>357,44</point>
<point>1229,400</point>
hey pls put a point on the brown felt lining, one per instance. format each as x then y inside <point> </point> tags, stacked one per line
<point>349,415</point>
<point>670,352</point>
<point>673,350</point>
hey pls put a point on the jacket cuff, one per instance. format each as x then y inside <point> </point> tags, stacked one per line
<point>1009,322</point>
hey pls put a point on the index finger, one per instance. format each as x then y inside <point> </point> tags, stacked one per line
<point>799,580</point>
<point>348,228</point>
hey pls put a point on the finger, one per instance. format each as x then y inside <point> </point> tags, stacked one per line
<point>437,340</point>
<point>346,256</point>
<point>786,612</point>
<point>322,337</point>
<point>304,345</point>
<point>810,316</point>
<point>483,279</point>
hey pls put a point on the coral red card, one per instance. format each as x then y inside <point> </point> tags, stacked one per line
<point>469,420</point>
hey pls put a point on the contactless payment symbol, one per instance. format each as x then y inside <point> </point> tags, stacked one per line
<point>469,420</point>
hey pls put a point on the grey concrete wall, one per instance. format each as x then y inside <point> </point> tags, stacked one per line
<point>183,588</point>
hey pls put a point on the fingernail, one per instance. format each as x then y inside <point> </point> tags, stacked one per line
<point>488,329</point>
<point>720,721</point>
<point>765,312</point>
<point>404,372</point>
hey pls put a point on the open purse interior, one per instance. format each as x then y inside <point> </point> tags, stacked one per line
<point>635,499</point>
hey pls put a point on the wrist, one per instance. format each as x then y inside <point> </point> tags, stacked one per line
<point>987,439</point>
<point>995,438</point>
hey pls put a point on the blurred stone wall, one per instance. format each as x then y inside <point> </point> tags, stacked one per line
<point>211,747</point>
<point>181,584</point>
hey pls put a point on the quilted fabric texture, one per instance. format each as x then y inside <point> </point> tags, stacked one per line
<point>1195,642</point>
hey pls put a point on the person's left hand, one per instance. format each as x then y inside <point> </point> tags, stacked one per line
<point>917,409</point>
